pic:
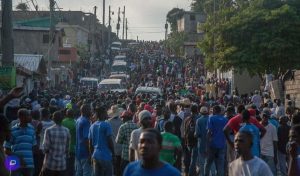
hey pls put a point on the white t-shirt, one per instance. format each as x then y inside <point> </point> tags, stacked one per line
<point>266,143</point>
<point>253,167</point>
<point>134,142</point>
<point>256,99</point>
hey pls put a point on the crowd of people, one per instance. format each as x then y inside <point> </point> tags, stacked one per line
<point>197,127</point>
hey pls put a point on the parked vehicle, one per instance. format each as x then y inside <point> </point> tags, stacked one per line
<point>114,85</point>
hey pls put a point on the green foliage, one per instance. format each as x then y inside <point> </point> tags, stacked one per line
<point>22,7</point>
<point>172,17</point>
<point>175,42</point>
<point>82,51</point>
<point>259,36</point>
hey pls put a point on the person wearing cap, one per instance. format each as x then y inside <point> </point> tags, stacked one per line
<point>283,137</point>
<point>145,122</point>
<point>115,122</point>
<point>200,133</point>
<point>268,143</point>
<point>123,137</point>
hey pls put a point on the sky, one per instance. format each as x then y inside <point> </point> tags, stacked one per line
<point>146,18</point>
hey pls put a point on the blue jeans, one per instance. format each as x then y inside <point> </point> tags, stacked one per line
<point>83,167</point>
<point>202,159</point>
<point>194,157</point>
<point>218,157</point>
<point>102,168</point>
<point>282,162</point>
<point>270,161</point>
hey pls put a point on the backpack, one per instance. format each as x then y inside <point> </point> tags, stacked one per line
<point>190,128</point>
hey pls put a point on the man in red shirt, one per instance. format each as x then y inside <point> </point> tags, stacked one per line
<point>236,122</point>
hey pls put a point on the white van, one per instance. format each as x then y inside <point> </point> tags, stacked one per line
<point>114,85</point>
<point>89,82</point>
<point>120,58</point>
<point>116,46</point>
<point>122,76</point>
<point>149,90</point>
<point>119,67</point>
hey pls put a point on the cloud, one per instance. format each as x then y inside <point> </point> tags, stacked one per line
<point>145,17</point>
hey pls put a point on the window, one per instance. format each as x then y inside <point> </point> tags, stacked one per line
<point>65,52</point>
<point>192,17</point>
<point>46,38</point>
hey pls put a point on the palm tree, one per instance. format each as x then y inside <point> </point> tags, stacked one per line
<point>22,7</point>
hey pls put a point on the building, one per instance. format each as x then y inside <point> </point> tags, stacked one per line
<point>31,70</point>
<point>190,24</point>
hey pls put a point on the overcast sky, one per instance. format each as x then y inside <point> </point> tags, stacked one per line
<point>146,18</point>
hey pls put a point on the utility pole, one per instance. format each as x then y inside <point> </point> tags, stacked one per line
<point>6,34</point>
<point>51,37</point>
<point>103,20</point>
<point>123,23</point>
<point>118,24</point>
<point>94,32</point>
<point>166,33</point>
<point>103,17</point>
<point>137,38</point>
<point>126,28</point>
<point>109,26</point>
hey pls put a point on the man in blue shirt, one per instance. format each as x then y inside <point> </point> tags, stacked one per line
<point>201,133</point>
<point>101,145</point>
<point>149,147</point>
<point>82,156</point>
<point>216,141</point>
<point>21,144</point>
<point>255,148</point>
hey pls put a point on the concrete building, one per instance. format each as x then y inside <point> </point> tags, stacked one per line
<point>190,24</point>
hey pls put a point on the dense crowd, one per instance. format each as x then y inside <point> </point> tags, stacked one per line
<point>198,127</point>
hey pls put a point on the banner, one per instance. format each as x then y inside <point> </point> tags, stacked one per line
<point>7,77</point>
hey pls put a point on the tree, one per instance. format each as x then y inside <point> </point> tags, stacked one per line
<point>259,36</point>
<point>172,17</point>
<point>82,51</point>
<point>22,7</point>
<point>175,42</point>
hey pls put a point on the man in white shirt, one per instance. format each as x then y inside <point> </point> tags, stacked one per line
<point>268,143</point>
<point>247,164</point>
<point>145,122</point>
<point>256,99</point>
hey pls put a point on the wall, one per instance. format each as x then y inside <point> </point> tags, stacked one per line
<point>245,83</point>
<point>292,87</point>
<point>31,42</point>
<point>74,35</point>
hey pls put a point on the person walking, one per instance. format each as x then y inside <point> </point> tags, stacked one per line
<point>216,142</point>
<point>145,122</point>
<point>82,155</point>
<point>22,143</point>
<point>70,123</point>
<point>247,163</point>
<point>123,137</point>
<point>150,144</point>
<point>56,148</point>
<point>268,143</point>
<point>101,145</point>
